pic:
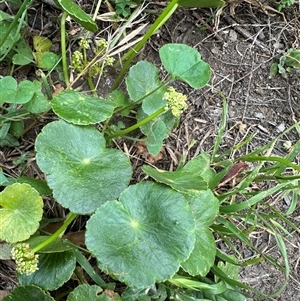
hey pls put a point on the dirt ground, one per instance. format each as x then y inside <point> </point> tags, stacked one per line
<point>240,49</point>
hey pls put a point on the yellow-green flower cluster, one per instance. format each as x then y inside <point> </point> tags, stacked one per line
<point>80,62</point>
<point>84,43</point>
<point>25,258</point>
<point>109,61</point>
<point>176,101</point>
<point>77,61</point>
<point>101,45</point>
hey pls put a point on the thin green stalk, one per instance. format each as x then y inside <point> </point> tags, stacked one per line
<point>14,116</point>
<point>45,83</point>
<point>13,24</point>
<point>133,104</point>
<point>131,54</point>
<point>282,161</point>
<point>222,128</point>
<point>80,258</point>
<point>15,38</point>
<point>71,216</point>
<point>92,86</point>
<point>137,125</point>
<point>6,126</point>
<point>63,46</point>
<point>89,77</point>
<point>97,9</point>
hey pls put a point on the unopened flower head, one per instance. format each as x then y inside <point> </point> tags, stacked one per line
<point>176,101</point>
<point>101,45</point>
<point>109,61</point>
<point>25,258</point>
<point>77,60</point>
<point>84,43</point>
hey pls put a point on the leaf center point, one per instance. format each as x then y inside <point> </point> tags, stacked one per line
<point>86,161</point>
<point>134,224</point>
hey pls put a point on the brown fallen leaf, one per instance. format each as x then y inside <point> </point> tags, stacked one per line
<point>236,169</point>
<point>142,150</point>
<point>57,89</point>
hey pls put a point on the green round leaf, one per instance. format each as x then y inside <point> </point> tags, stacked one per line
<point>205,207</point>
<point>79,108</point>
<point>17,128</point>
<point>54,269</point>
<point>293,58</point>
<point>274,69</point>
<point>28,293</point>
<point>12,93</point>
<point>142,80</point>
<point>25,92</point>
<point>24,54</point>
<point>82,173</point>
<point>192,177</point>
<point>8,88</point>
<point>144,237</point>
<point>4,16</point>
<point>155,137</point>
<point>9,41</point>
<point>38,103</point>
<point>21,209</point>
<point>48,60</point>
<point>184,62</point>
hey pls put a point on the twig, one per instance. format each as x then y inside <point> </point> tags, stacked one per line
<point>245,33</point>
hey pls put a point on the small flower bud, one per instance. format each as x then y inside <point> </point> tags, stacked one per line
<point>101,44</point>
<point>109,61</point>
<point>84,43</point>
<point>77,60</point>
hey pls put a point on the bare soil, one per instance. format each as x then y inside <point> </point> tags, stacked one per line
<point>240,49</point>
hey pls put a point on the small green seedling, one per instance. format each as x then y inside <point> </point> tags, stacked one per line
<point>286,62</point>
<point>12,44</point>
<point>284,3</point>
<point>26,93</point>
<point>123,7</point>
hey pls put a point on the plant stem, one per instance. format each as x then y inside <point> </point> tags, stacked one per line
<point>131,54</point>
<point>71,216</point>
<point>63,46</point>
<point>97,9</point>
<point>40,73</point>
<point>92,87</point>
<point>14,116</point>
<point>137,125</point>
<point>15,20</point>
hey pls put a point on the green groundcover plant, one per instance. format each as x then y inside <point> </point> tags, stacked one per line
<point>156,238</point>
